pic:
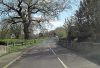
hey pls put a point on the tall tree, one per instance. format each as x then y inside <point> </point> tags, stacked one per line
<point>85,21</point>
<point>94,9</point>
<point>71,28</point>
<point>16,30</point>
<point>88,17</point>
<point>24,11</point>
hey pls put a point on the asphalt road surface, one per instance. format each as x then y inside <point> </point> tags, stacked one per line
<point>49,55</point>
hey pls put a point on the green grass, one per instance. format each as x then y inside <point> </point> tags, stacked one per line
<point>15,45</point>
<point>26,44</point>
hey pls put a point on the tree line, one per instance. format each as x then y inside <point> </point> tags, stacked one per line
<point>84,25</point>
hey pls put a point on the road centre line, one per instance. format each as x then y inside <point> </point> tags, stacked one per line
<point>64,65</point>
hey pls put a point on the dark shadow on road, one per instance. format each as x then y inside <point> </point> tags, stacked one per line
<point>89,55</point>
<point>93,57</point>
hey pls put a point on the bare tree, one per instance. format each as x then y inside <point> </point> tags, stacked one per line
<point>24,11</point>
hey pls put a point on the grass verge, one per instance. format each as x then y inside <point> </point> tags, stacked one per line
<point>16,45</point>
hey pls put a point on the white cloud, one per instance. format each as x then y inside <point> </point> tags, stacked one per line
<point>55,24</point>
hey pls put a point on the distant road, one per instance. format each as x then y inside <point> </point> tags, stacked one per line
<point>49,55</point>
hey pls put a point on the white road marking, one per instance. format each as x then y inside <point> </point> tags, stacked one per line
<point>6,66</point>
<point>62,62</point>
<point>64,65</point>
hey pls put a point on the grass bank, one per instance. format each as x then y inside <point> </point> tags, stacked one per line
<point>15,45</point>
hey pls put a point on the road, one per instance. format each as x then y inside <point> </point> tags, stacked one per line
<point>49,55</point>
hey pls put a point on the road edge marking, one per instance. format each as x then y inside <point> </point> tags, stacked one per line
<point>14,60</point>
<point>7,65</point>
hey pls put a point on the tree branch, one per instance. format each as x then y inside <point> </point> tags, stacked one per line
<point>19,5</point>
<point>11,7</point>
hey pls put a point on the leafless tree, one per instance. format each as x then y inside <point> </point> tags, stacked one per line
<point>24,11</point>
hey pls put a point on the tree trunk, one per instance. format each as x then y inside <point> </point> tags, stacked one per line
<point>26,31</point>
<point>27,22</point>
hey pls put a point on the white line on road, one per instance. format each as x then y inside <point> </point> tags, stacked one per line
<point>62,62</point>
<point>59,58</point>
<point>6,66</point>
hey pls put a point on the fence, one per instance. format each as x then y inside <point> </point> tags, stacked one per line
<point>84,47</point>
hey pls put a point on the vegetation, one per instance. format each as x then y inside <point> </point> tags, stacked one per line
<point>12,29</point>
<point>16,45</point>
<point>61,32</point>
<point>21,21</point>
<point>24,11</point>
<point>84,24</point>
